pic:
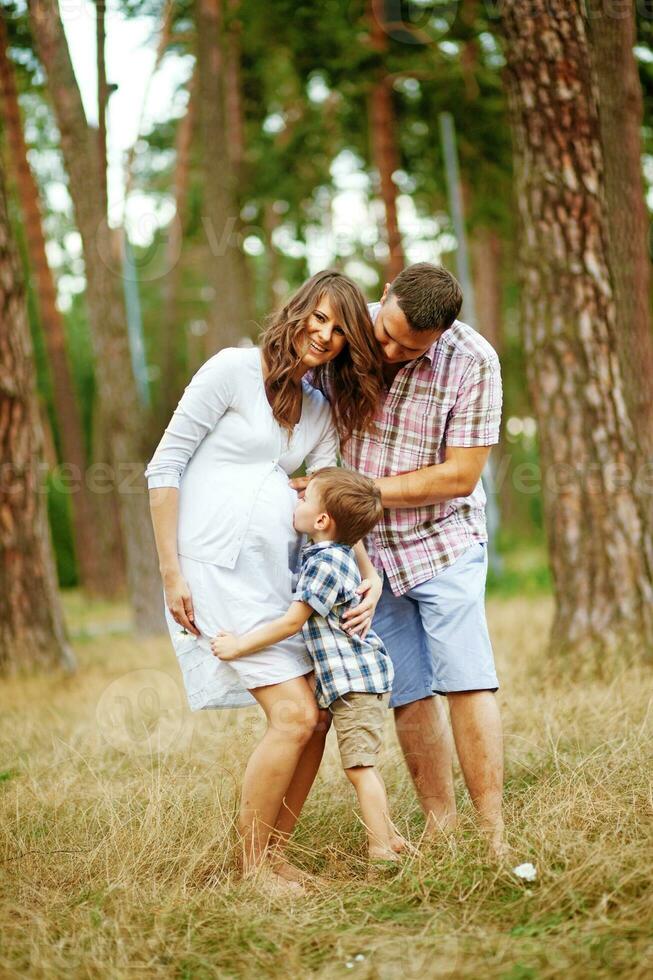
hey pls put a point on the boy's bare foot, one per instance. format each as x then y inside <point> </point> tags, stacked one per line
<point>383,861</point>
<point>402,846</point>
<point>383,854</point>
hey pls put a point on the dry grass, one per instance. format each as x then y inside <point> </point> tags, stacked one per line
<point>117,842</point>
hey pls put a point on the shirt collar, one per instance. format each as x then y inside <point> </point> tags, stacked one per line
<point>430,353</point>
<point>313,547</point>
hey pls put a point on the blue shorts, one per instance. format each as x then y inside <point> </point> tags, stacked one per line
<point>436,633</point>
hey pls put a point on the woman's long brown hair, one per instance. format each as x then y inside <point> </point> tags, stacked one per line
<point>352,381</point>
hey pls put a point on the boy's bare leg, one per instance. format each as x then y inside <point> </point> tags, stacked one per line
<point>373,802</point>
<point>397,842</point>
<point>476,724</point>
<point>425,737</point>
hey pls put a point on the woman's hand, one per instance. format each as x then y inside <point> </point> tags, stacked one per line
<point>179,601</point>
<point>359,619</point>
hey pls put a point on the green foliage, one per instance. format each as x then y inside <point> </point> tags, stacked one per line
<point>307,71</point>
<point>61,530</point>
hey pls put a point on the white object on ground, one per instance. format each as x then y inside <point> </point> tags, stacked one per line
<point>527,871</point>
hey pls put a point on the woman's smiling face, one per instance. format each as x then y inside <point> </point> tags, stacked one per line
<point>323,336</point>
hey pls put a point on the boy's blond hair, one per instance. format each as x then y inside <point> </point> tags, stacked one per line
<point>351,500</point>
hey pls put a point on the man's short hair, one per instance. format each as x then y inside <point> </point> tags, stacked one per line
<point>428,295</point>
<point>351,500</point>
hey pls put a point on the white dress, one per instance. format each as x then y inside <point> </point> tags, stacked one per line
<point>237,546</point>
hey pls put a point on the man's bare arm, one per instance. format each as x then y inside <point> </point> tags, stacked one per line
<point>455,477</point>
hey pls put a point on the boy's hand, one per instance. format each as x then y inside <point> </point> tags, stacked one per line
<point>225,646</point>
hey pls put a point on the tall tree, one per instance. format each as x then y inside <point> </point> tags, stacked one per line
<point>621,115</point>
<point>102,99</point>
<point>171,384</point>
<point>92,577</point>
<point>600,539</point>
<point>485,247</point>
<point>229,312</point>
<point>122,414</point>
<point>382,123</point>
<point>31,621</point>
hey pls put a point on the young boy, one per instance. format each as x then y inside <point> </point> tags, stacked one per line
<point>353,676</point>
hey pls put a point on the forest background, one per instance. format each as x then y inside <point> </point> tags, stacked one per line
<point>509,140</point>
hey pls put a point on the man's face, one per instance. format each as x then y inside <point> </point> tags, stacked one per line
<point>397,341</point>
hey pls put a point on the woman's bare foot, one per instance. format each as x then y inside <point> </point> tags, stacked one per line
<point>268,880</point>
<point>290,872</point>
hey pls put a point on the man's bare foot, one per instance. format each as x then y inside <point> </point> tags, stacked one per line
<point>436,825</point>
<point>499,852</point>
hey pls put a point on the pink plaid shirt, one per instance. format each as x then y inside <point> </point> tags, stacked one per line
<point>450,396</point>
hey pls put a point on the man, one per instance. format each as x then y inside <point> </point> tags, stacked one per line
<point>436,424</point>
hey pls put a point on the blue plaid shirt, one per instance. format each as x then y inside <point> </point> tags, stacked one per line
<point>328,581</point>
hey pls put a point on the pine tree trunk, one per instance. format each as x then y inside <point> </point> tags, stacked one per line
<point>102,98</point>
<point>172,385</point>
<point>31,620</point>
<point>92,577</point>
<point>235,118</point>
<point>108,531</point>
<point>384,141</point>
<point>228,315</point>
<point>600,540</point>
<point>620,112</point>
<point>233,91</point>
<point>486,266</point>
<point>485,247</point>
<point>122,415</point>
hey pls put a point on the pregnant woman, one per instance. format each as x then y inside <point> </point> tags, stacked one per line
<point>222,513</point>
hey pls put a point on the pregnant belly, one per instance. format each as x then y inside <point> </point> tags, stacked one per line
<point>221,511</point>
<point>271,522</point>
<point>259,587</point>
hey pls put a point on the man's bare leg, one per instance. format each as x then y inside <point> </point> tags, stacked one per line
<point>425,737</point>
<point>477,732</point>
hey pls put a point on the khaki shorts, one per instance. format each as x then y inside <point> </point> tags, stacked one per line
<point>359,719</point>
